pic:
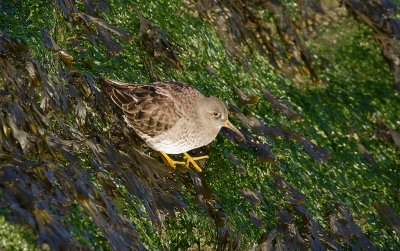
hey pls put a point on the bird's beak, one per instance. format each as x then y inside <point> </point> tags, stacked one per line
<point>229,125</point>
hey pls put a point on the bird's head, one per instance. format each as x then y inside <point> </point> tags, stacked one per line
<point>214,114</point>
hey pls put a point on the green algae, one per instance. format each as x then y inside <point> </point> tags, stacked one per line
<point>14,236</point>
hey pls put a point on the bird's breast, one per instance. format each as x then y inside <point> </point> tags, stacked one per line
<point>182,137</point>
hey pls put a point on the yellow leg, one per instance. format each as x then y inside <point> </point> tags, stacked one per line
<point>191,160</point>
<point>170,162</point>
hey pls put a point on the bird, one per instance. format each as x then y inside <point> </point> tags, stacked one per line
<point>171,117</point>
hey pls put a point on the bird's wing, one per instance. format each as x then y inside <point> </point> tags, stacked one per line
<point>147,108</point>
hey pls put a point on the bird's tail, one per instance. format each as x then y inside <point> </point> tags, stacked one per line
<point>109,84</point>
<point>118,91</point>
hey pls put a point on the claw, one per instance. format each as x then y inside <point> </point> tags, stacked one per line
<point>189,160</point>
<point>170,162</point>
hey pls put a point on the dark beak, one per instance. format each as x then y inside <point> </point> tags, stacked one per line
<point>229,125</point>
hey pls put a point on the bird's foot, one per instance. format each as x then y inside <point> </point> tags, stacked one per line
<point>192,160</point>
<point>170,162</point>
<point>189,160</point>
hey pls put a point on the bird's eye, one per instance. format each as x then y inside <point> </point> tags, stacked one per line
<point>216,114</point>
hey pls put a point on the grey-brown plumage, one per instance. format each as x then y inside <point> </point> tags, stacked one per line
<point>171,117</point>
<point>149,109</point>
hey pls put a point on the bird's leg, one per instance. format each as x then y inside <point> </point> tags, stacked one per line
<point>170,162</point>
<point>191,160</point>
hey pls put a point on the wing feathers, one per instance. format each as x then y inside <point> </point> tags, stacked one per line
<point>149,109</point>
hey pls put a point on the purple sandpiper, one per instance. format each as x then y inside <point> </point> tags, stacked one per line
<point>171,117</point>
